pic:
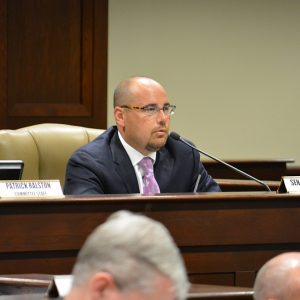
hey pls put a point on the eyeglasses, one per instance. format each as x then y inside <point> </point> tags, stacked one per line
<point>153,109</point>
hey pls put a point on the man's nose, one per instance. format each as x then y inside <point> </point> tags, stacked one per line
<point>161,116</point>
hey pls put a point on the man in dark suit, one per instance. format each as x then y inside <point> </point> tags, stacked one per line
<point>111,163</point>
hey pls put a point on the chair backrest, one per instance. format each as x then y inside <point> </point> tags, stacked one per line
<point>44,148</point>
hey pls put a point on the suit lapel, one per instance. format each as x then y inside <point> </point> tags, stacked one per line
<point>163,168</point>
<point>123,165</point>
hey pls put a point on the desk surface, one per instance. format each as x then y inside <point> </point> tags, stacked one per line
<point>224,237</point>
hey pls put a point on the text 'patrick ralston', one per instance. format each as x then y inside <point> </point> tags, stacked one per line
<point>28,185</point>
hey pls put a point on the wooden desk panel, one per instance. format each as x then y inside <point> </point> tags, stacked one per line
<point>243,185</point>
<point>293,170</point>
<point>39,284</point>
<point>224,237</point>
<point>271,169</point>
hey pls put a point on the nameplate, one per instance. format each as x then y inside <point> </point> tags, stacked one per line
<point>33,188</point>
<point>289,184</point>
<point>60,286</point>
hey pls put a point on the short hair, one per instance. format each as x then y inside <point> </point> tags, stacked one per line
<point>133,249</point>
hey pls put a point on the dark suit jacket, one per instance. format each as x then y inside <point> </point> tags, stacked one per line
<point>103,167</point>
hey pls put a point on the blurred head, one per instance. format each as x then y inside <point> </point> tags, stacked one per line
<point>145,131</point>
<point>129,257</point>
<point>279,278</point>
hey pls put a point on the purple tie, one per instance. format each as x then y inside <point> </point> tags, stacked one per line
<point>150,185</point>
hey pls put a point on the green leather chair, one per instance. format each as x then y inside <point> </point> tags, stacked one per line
<point>44,148</point>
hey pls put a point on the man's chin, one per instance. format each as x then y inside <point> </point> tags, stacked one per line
<point>156,146</point>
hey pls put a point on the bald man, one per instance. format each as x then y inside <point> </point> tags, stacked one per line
<point>279,278</point>
<point>114,163</point>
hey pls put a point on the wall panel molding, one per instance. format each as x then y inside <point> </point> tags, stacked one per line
<point>52,49</point>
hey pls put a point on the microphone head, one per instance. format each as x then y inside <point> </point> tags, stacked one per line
<point>175,135</point>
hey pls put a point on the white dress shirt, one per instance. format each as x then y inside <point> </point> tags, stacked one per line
<point>135,157</point>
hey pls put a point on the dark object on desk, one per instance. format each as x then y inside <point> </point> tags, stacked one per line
<point>11,169</point>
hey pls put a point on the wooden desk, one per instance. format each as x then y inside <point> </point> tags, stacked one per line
<point>261,169</point>
<point>214,292</point>
<point>242,185</point>
<point>293,170</point>
<point>224,237</point>
<point>25,297</point>
<point>208,293</point>
<point>38,284</point>
<point>24,284</point>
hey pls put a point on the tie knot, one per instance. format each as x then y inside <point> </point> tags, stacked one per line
<point>147,165</point>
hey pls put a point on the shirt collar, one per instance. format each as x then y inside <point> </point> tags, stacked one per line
<point>134,155</point>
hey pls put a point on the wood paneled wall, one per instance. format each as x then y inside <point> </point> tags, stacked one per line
<point>53,62</point>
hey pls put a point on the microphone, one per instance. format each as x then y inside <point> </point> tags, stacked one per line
<point>177,137</point>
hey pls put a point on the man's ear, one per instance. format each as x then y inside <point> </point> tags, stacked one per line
<point>101,285</point>
<point>119,116</point>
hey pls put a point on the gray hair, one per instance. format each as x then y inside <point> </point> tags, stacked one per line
<point>278,278</point>
<point>133,249</point>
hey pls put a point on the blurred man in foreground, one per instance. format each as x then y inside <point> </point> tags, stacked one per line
<point>129,257</point>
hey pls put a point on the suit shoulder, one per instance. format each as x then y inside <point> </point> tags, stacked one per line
<point>99,144</point>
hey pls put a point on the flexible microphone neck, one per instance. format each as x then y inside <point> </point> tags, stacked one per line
<point>177,137</point>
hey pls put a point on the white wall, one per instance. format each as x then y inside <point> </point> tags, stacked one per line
<point>232,67</point>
